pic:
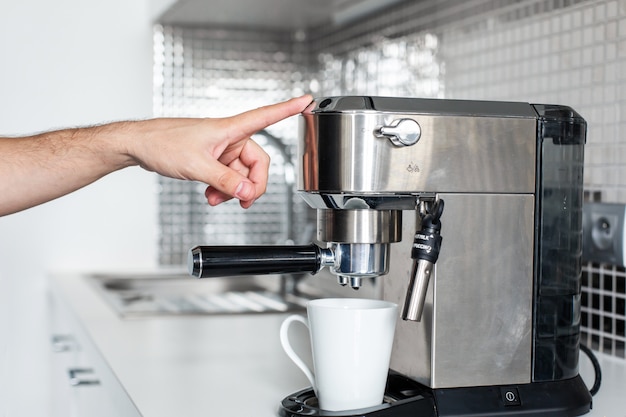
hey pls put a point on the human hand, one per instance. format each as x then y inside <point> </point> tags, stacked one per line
<point>217,152</point>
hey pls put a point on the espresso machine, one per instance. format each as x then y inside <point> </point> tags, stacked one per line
<point>469,215</point>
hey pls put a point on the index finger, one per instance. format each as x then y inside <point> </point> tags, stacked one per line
<point>250,122</point>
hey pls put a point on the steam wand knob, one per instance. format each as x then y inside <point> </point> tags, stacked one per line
<point>425,252</point>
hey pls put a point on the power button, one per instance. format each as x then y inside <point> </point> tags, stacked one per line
<point>510,396</point>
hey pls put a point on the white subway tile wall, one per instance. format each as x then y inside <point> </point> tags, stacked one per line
<point>569,52</point>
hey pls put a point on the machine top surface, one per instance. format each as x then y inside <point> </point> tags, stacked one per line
<point>477,108</point>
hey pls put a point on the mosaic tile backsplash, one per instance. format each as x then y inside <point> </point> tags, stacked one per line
<point>570,52</point>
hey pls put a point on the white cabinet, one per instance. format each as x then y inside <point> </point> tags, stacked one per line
<point>82,384</point>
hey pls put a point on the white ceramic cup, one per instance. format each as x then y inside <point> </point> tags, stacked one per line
<point>351,343</point>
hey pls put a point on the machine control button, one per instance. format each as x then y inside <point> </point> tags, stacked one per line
<point>401,132</point>
<point>325,103</point>
<point>510,396</point>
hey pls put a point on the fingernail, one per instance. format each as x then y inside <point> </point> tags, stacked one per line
<point>244,191</point>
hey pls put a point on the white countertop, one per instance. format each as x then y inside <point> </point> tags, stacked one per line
<point>226,365</point>
<point>229,365</point>
<point>610,401</point>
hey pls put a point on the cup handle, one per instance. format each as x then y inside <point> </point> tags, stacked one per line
<point>284,341</point>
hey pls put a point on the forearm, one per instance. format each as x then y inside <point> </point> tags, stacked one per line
<point>42,167</point>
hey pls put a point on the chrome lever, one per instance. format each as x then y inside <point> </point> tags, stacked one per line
<point>401,132</point>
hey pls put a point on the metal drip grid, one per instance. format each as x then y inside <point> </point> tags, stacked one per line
<point>135,297</point>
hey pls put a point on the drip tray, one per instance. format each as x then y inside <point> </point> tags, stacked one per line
<point>403,397</point>
<point>179,294</point>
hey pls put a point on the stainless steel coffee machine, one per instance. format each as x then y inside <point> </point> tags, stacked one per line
<point>469,213</point>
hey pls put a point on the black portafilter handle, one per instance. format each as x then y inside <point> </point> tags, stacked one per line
<point>227,261</point>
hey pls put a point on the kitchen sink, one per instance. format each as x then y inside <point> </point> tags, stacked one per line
<point>172,294</point>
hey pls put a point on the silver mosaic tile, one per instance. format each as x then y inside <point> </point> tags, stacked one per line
<point>570,52</point>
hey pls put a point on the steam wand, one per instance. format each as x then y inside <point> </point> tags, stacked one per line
<point>425,252</point>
